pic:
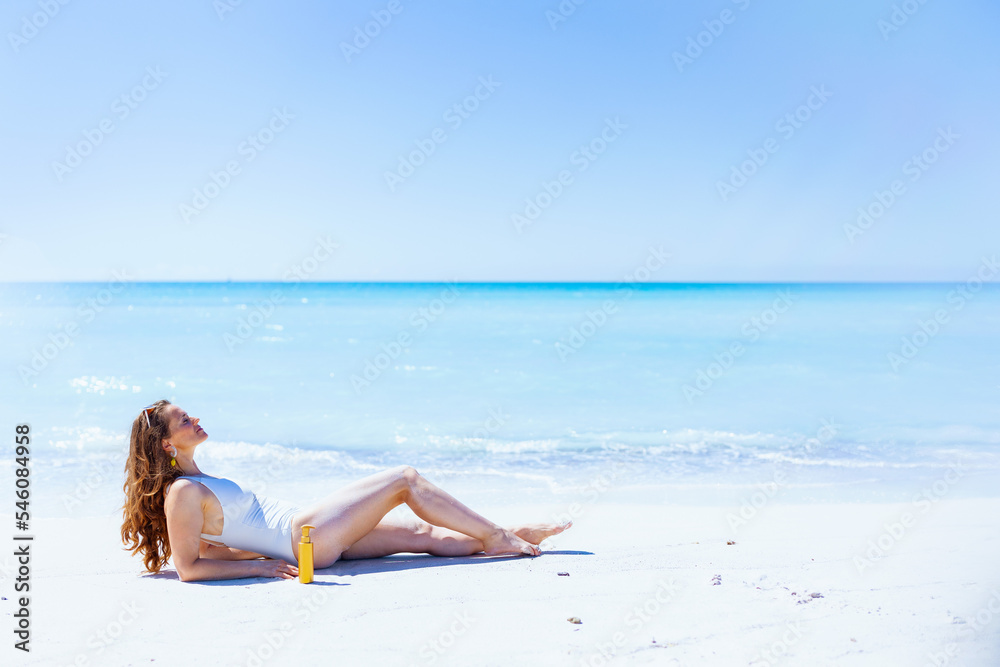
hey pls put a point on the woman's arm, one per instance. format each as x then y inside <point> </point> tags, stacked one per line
<point>183,507</point>
<point>226,553</point>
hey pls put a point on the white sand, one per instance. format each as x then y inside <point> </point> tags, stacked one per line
<point>640,579</point>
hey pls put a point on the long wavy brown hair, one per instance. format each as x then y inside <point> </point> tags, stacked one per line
<point>147,473</point>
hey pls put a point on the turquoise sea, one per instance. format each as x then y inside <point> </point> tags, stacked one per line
<point>552,393</point>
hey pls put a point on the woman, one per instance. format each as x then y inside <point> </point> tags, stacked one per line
<point>216,529</point>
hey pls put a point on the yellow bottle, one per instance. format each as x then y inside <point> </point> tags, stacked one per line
<point>306,556</point>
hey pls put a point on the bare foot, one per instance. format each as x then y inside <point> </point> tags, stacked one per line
<point>506,542</point>
<point>534,533</point>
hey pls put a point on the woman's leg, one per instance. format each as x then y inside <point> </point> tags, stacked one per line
<point>397,536</point>
<point>347,515</point>
<point>418,537</point>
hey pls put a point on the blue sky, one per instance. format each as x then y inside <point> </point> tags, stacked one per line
<point>201,85</point>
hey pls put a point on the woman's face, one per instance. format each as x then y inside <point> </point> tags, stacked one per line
<point>184,429</point>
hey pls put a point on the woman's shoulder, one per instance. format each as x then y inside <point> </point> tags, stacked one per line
<point>182,487</point>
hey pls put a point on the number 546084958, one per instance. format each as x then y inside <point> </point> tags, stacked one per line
<point>22,471</point>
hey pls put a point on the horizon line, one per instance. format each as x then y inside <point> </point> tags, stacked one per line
<point>481,282</point>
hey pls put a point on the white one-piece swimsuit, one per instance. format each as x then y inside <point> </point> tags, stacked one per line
<point>251,522</point>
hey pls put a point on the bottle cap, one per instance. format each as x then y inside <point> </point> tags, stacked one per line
<point>305,533</point>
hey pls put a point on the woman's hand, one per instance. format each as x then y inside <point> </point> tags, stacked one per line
<point>277,568</point>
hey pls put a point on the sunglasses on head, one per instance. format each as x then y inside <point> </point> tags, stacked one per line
<point>146,410</point>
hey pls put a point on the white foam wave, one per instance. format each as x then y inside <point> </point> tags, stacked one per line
<point>101,385</point>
